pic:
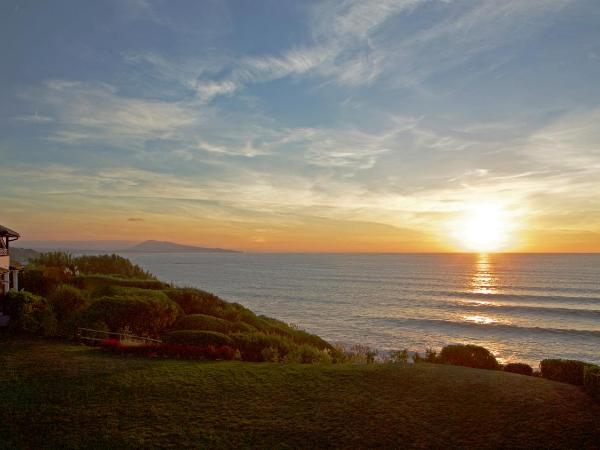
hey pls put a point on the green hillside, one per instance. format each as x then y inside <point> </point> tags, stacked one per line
<point>111,294</point>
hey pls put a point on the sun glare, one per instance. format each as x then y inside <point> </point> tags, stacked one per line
<point>484,228</point>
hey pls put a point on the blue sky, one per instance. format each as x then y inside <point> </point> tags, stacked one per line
<point>276,125</point>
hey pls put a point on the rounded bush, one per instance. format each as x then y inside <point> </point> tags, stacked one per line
<point>273,326</point>
<point>468,356</point>
<point>251,345</point>
<point>520,368</point>
<point>29,313</point>
<point>195,301</point>
<point>67,302</point>
<point>197,337</point>
<point>143,312</point>
<point>210,323</point>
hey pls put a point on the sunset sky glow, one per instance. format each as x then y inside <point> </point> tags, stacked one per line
<point>303,126</point>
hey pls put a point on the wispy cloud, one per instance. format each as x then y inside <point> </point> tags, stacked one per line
<point>340,49</point>
<point>92,112</point>
<point>350,44</point>
<point>572,141</point>
<point>35,118</point>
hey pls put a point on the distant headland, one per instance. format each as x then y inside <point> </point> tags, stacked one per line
<point>172,247</point>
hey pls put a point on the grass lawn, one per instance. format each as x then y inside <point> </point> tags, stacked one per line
<point>59,395</point>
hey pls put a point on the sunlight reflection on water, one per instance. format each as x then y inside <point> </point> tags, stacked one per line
<point>484,280</point>
<point>480,319</point>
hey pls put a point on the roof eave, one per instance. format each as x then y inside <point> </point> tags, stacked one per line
<point>7,232</point>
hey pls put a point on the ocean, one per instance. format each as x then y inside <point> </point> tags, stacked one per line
<point>523,307</point>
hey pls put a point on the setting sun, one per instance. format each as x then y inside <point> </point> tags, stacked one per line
<point>484,228</point>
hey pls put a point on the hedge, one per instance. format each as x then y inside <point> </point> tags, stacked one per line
<point>274,326</point>
<point>144,313</point>
<point>111,265</point>
<point>520,368</point>
<point>96,281</point>
<point>563,370</point>
<point>197,337</point>
<point>251,345</point>
<point>170,350</point>
<point>196,301</point>
<point>468,356</point>
<point>210,323</point>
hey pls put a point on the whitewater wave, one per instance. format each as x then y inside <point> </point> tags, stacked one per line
<point>514,297</point>
<point>484,327</point>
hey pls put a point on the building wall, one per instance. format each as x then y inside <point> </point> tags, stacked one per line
<point>4,262</point>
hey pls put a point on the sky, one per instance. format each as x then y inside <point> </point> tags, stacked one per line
<point>369,126</point>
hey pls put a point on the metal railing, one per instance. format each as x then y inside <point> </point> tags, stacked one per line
<point>91,336</point>
<point>3,252</point>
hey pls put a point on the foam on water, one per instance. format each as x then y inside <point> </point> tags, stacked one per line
<point>523,307</point>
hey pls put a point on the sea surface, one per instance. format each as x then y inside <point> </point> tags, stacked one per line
<point>523,307</point>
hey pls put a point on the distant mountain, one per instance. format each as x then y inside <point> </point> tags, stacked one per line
<point>172,247</point>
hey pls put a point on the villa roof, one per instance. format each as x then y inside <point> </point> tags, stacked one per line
<point>8,232</point>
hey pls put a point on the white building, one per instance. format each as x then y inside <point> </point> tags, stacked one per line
<point>9,276</point>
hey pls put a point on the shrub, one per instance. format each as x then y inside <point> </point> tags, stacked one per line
<point>520,368</point>
<point>98,282</point>
<point>251,345</point>
<point>338,354</point>
<point>69,266</point>
<point>399,356</point>
<point>273,326</point>
<point>111,265</point>
<point>361,354</point>
<point>144,313</point>
<point>430,355</point>
<point>306,354</point>
<point>170,350</point>
<point>197,337</point>
<point>29,313</point>
<point>563,370</point>
<point>58,266</point>
<point>468,356</point>
<point>210,323</point>
<point>33,280</point>
<point>67,303</point>
<point>270,354</point>
<point>591,381</point>
<point>195,301</point>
